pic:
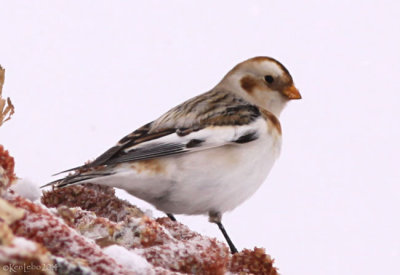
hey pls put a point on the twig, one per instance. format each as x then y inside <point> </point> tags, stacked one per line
<point>6,107</point>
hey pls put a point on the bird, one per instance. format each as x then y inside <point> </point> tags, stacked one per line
<point>207,155</point>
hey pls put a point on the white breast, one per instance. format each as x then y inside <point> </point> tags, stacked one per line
<point>222,178</point>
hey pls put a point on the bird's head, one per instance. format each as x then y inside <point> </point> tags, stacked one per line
<point>263,81</point>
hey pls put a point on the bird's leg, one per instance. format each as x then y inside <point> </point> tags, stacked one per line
<point>215,217</point>
<point>171,217</point>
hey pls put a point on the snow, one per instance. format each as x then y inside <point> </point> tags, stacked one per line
<point>27,189</point>
<point>128,259</point>
<point>24,244</point>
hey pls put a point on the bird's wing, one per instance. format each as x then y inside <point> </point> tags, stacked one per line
<point>189,127</point>
<point>167,144</point>
<point>172,144</point>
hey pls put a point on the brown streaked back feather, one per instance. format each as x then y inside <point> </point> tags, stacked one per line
<point>214,108</point>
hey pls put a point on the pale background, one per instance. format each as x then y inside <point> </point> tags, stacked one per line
<point>84,74</point>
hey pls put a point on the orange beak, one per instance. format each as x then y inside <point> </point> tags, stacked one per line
<point>292,93</point>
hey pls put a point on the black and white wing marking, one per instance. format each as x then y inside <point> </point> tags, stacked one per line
<point>229,125</point>
<point>172,144</point>
<point>233,125</point>
<point>166,145</point>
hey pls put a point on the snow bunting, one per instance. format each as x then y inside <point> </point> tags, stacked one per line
<point>206,155</point>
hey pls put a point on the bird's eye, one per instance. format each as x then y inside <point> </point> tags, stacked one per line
<point>269,79</point>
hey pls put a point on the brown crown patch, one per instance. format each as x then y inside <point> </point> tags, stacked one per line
<point>259,59</point>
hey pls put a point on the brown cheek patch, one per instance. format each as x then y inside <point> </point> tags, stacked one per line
<point>270,117</point>
<point>150,166</point>
<point>248,83</point>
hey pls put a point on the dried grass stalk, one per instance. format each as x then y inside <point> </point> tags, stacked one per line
<point>6,107</point>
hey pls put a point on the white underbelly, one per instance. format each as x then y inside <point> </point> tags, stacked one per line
<point>220,179</point>
<point>216,179</point>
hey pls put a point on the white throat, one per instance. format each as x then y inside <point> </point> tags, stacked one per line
<point>272,102</point>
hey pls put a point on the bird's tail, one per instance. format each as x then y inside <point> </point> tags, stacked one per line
<point>78,178</point>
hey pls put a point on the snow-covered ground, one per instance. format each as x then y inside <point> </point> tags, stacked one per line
<point>82,75</point>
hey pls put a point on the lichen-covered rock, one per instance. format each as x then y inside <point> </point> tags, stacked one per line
<point>252,262</point>
<point>96,198</point>
<point>41,226</point>
<point>165,244</point>
<point>19,255</point>
<point>88,230</point>
<point>7,175</point>
<point>188,251</point>
<point>23,256</point>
